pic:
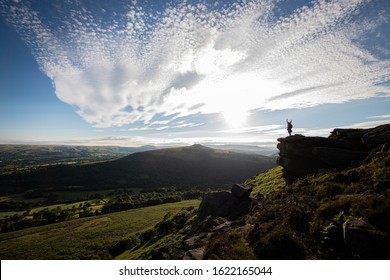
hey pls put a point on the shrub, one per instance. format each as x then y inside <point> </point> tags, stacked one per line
<point>332,243</point>
<point>328,190</point>
<point>147,235</point>
<point>122,245</point>
<point>229,247</point>
<point>329,209</point>
<point>298,220</point>
<point>278,245</point>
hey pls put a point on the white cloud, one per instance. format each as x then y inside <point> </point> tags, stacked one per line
<point>135,65</point>
<point>368,124</point>
<point>254,129</point>
<point>380,117</point>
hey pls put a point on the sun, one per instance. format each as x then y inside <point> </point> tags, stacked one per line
<point>235,117</point>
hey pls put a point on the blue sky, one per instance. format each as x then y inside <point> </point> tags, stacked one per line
<point>181,72</point>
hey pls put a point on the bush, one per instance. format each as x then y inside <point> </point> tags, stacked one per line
<point>329,209</point>
<point>229,247</point>
<point>278,245</point>
<point>298,220</point>
<point>328,190</point>
<point>147,235</point>
<point>122,245</point>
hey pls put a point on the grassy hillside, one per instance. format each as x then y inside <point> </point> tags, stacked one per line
<point>100,237</point>
<point>164,240</point>
<point>180,167</point>
<point>304,220</point>
<point>269,181</point>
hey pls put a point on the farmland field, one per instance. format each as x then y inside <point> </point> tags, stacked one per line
<point>83,238</point>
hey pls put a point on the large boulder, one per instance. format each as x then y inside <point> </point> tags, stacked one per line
<point>366,240</point>
<point>223,204</point>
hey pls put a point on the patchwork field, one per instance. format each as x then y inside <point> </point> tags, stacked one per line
<point>85,238</point>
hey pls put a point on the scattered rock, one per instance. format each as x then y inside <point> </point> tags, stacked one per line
<point>209,224</point>
<point>194,247</point>
<point>215,215</point>
<point>195,254</point>
<point>160,253</point>
<point>366,240</point>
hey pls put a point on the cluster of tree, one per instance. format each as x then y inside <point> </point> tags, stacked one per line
<point>176,226</point>
<point>44,217</point>
<point>125,200</point>
<point>173,226</point>
<point>53,198</point>
<point>14,206</point>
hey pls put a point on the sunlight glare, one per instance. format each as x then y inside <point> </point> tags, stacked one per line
<point>235,117</point>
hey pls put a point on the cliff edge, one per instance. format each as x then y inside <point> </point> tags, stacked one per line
<point>300,155</point>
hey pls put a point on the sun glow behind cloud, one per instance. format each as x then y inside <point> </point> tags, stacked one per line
<point>134,65</point>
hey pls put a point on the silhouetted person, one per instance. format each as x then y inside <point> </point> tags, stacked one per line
<point>289,126</point>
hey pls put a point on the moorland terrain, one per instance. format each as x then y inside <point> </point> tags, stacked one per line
<point>339,210</point>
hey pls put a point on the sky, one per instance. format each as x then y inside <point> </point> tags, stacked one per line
<point>132,73</point>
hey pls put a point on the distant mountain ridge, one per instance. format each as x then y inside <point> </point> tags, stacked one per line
<point>189,166</point>
<point>18,157</point>
<point>267,150</point>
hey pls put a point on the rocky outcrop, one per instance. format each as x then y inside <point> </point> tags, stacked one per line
<point>215,215</point>
<point>366,240</point>
<point>228,205</point>
<point>241,191</point>
<point>194,247</point>
<point>300,155</point>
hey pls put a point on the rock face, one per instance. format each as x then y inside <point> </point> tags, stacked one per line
<point>215,215</point>
<point>300,155</point>
<point>241,191</point>
<point>366,240</point>
<point>228,205</point>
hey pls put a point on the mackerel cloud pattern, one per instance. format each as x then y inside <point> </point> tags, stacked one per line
<point>153,66</point>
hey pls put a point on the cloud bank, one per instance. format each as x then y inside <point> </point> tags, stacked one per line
<point>154,66</point>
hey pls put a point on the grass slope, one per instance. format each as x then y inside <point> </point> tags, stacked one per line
<point>86,238</point>
<point>269,181</point>
<point>164,240</point>
<point>304,220</point>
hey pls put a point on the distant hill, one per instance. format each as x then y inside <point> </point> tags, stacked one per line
<point>182,167</point>
<point>21,157</point>
<point>265,150</point>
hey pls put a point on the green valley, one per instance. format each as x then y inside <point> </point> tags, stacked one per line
<point>86,238</point>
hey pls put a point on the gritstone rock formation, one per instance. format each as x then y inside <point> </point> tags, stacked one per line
<point>300,155</point>
<point>215,215</point>
<point>229,205</point>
